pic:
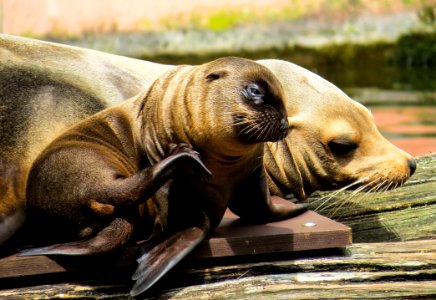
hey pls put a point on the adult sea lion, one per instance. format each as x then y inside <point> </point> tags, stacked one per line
<point>45,88</point>
<point>108,177</point>
<point>333,141</point>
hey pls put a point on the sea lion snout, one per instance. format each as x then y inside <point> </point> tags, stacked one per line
<point>412,166</point>
<point>264,118</point>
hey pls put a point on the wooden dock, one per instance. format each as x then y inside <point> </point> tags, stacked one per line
<point>393,256</point>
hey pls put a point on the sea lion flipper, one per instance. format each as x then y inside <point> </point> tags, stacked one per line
<point>190,159</point>
<point>163,257</point>
<point>109,238</point>
<point>258,206</point>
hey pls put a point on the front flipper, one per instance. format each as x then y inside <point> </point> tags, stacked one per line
<point>144,184</point>
<point>256,205</point>
<point>163,257</point>
<point>109,238</point>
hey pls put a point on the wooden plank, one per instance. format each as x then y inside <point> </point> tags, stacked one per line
<point>230,239</point>
<point>405,213</point>
<point>307,231</point>
<point>363,271</point>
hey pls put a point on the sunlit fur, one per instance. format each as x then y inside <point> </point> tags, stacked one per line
<point>320,113</point>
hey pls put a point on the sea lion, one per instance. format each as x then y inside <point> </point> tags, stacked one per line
<point>45,88</point>
<point>333,141</point>
<point>95,181</point>
<point>104,80</point>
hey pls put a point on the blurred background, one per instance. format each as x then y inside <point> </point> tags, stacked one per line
<point>381,52</point>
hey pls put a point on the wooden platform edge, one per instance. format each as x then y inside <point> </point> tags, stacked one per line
<point>308,231</point>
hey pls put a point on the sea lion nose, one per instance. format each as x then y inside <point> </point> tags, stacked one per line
<point>284,125</point>
<point>412,166</point>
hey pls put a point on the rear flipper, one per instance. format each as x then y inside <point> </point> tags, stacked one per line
<point>109,238</point>
<point>163,257</point>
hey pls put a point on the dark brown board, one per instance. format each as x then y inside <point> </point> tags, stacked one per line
<point>231,238</point>
<point>294,234</point>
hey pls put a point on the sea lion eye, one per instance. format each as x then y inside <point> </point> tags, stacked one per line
<point>342,146</point>
<point>253,93</point>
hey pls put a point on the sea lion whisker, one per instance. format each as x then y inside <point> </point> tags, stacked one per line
<point>330,201</point>
<point>350,197</point>
<point>334,193</point>
<point>248,130</point>
<point>390,185</point>
<point>330,196</point>
<point>324,200</point>
<point>254,132</point>
<point>370,186</point>
<point>341,203</point>
<point>354,197</point>
<point>239,122</point>
<point>264,131</point>
<point>396,185</point>
<point>376,187</point>
<point>383,187</point>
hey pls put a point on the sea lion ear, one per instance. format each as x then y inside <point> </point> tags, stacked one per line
<point>216,75</point>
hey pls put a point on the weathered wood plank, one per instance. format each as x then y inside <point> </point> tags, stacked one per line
<point>373,270</point>
<point>230,239</point>
<point>405,213</point>
<point>379,270</point>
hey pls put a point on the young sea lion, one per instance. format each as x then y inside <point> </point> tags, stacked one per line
<point>96,180</point>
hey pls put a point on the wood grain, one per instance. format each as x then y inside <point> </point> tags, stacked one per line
<point>230,239</point>
<point>401,266</point>
<point>404,270</point>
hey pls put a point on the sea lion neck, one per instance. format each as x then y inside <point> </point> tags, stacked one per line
<point>163,113</point>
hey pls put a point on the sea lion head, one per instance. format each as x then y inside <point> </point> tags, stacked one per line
<point>333,141</point>
<point>224,106</point>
